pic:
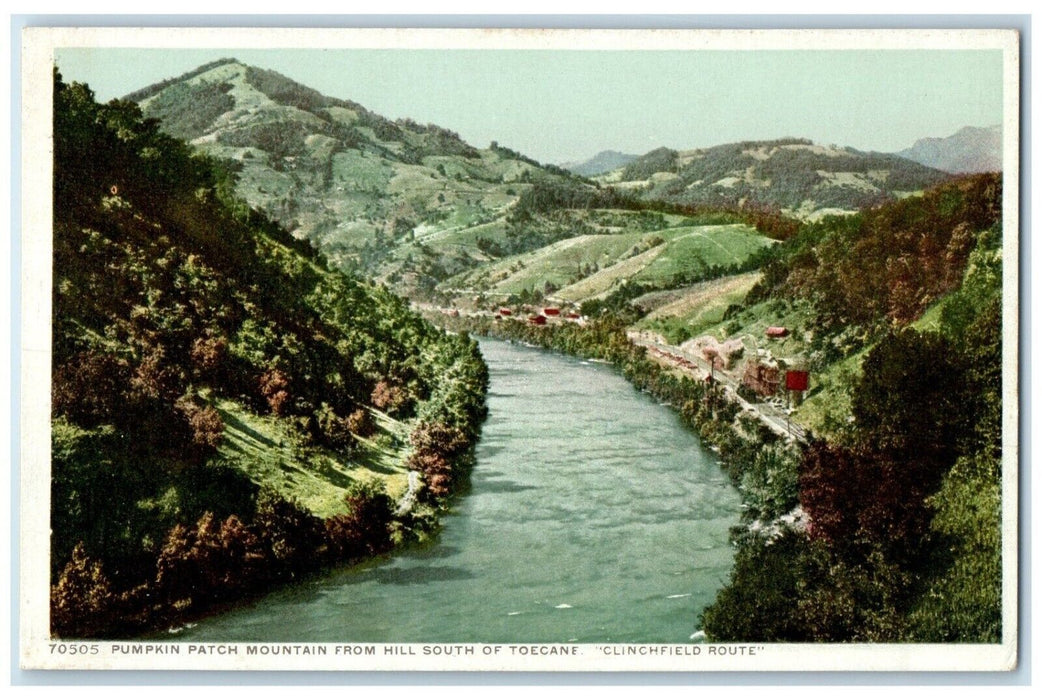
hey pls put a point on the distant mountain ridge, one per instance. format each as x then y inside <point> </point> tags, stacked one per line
<point>414,205</point>
<point>794,175</point>
<point>603,162</point>
<point>971,149</point>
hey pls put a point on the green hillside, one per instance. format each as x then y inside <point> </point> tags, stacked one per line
<point>679,314</point>
<point>587,266</point>
<point>884,525</point>
<point>419,209</point>
<point>227,412</point>
<point>355,184</point>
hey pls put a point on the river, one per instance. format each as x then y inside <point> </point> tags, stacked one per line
<point>593,516</point>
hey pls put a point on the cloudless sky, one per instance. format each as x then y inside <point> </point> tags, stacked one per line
<point>559,106</point>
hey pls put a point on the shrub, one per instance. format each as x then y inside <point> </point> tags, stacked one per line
<point>274,388</point>
<point>388,397</point>
<point>360,422</point>
<point>81,601</point>
<point>90,388</point>
<point>204,421</point>
<point>290,536</point>
<point>208,356</point>
<point>334,430</point>
<point>366,528</point>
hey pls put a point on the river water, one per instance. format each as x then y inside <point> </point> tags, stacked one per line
<point>593,516</point>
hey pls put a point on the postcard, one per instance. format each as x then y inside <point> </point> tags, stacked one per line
<point>515,349</point>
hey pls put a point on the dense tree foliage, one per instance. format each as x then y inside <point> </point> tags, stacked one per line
<point>905,503</point>
<point>169,297</point>
<point>660,160</point>
<point>887,264</point>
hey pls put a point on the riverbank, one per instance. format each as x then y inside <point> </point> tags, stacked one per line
<point>854,540</point>
<point>761,464</point>
<point>591,513</point>
<point>270,539</point>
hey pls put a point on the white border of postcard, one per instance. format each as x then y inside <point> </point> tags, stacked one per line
<point>38,651</point>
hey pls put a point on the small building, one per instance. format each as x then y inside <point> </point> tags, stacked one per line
<point>777,332</point>
<point>506,312</point>
<point>537,320</point>
<point>551,311</point>
<point>763,378</point>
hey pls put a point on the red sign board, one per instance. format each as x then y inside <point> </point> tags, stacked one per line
<point>797,380</point>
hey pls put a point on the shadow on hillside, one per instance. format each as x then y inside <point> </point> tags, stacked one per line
<point>233,423</point>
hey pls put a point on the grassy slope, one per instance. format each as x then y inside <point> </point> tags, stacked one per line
<point>690,248</point>
<point>827,404</point>
<point>601,283</point>
<point>631,255</point>
<point>271,455</point>
<point>694,309</point>
<point>555,263</point>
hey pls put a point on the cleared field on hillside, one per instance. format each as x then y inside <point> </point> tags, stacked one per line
<point>556,263</point>
<point>601,283</point>
<point>687,312</point>
<point>465,238</point>
<point>686,250</point>
<point>701,247</point>
<point>358,171</point>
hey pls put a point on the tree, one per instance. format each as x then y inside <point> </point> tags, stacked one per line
<point>90,388</point>
<point>856,497</point>
<point>910,400</point>
<point>365,529</point>
<point>290,535</point>
<point>81,600</point>
<point>204,422</point>
<point>274,388</point>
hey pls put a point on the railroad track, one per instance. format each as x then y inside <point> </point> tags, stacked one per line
<point>774,418</point>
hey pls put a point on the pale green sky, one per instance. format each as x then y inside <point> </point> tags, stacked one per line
<point>557,106</point>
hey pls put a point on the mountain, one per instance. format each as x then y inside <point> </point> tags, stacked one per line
<point>796,176</point>
<point>971,149</point>
<point>417,208</point>
<point>217,388</point>
<point>603,162</point>
<point>363,189</point>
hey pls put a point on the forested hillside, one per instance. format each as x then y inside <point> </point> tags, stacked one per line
<point>227,412</point>
<point>421,210</point>
<point>904,496</point>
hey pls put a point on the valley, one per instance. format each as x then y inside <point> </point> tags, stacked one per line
<point>253,273</point>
